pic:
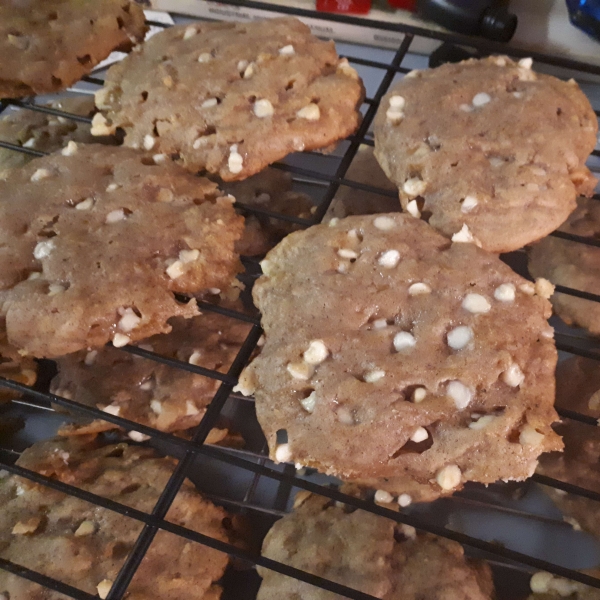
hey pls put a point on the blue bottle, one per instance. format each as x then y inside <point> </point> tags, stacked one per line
<point>585,14</point>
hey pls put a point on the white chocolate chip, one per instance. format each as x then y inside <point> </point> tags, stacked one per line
<point>464,236</point>
<point>241,66</point>
<point>55,288</point>
<point>413,209</point>
<point>195,358</point>
<point>308,403</point>
<point>283,453</point>
<point>104,588</point>
<point>476,304</point>
<point>389,259</point>
<point>235,161</point>
<point>129,320</point>
<point>310,112</point>
<point>90,358</point>
<point>345,69</point>
<point>466,108</point>
<point>384,223</point>
<point>136,436</point>
<point>175,269</point>
<point>30,143</point>
<point>513,376</point>
<point>209,103</point>
<point>287,50</point>
<point>112,409</point>
<point>505,292</point>
<point>526,63</point>
<point>112,187</point>
<point>404,340</point>
<point>419,395</point>
<point>527,288</point>
<point>530,437</point>
<point>482,422</point>
<point>347,253</point>
<point>149,141</point>
<point>417,289</point>
<point>404,500</point>
<point>541,582</point>
<point>43,249</point>
<point>189,32</point>
<point>544,288</point>
<point>414,187</point>
<point>26,527</point>
<point>394,115</point>
<point>448,478</point>
<point>345,416</point>
<point>459,337</point>
<point>100,125</point>
<point>375,375</point>
<point>420,435</point>
<point>383,497</point>
<point>481,99</point>
<point>120,340</point>
<point>156,407</point>
<point>397,102</point>
<point>40,174</point>
<point>70,149</point>
<point>204,57</point>
<point>188,256</point>
<point>191,409</point>
<point>263,108</point>
<point>460,393</point>
<point>380,323</point>
<point>468,204</point>
<point>85,204</point>
<point>300,370</point>
<point>85,528</point>
<point>317,352</point>
<point>114,216</point>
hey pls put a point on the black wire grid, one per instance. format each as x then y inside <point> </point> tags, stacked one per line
<point>256,463</point>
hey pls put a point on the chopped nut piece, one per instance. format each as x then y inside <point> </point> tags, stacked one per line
<point>175,269</point>
<point>129,320</point>
<point>100,126</point>
<point>347,253</point>
<point>113,409</point>
<point>26,527</point>
<point>104,588</point>
<point>114,216</point>
<point>397,102</point>
<point>204,57</point>
<point>465,236</point>
<point>526,63</point>
<point>85,204</point>
<point>413,209</point>
<point>544,288</point>
<point>189,32</point>
<point>85,528</point>
<point>482,422</point>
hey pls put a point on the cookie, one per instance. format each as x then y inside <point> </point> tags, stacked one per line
<point>15,367</point>
<point>96,241</point>
<point>47,46</point>
<point>231,98</point>
<point>546,586</point>
<point>578,389</point>
<point>573,264</point>
<point>272,190</point>
<point>503,155</point>
<point>353,201</point>
<point>84,545</point>
<point>148,392</point>
<point>399,360</point>
<point>44,132</point>
<point>379,557</point>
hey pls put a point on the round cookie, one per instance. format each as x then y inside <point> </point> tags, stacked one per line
<point>231,98</point>
<point>96,241</point>
<point>148,392</point>
<point>44,132</point>
<point>379,557</point>
<point>84,545</point>
<point>546,586</point>
<point>271,189</point>
<point>573,264</point>
<point>396,359</point>
<point>47,46</point>
<point>501,158</point>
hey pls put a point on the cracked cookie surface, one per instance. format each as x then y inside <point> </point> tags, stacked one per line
<point>96,241</point>
<point>503,155</point>
<point>47,46</point>
<point>399,360</point>
<point>231,98</point>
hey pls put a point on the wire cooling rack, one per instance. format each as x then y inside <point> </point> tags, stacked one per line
<point>251,465</point>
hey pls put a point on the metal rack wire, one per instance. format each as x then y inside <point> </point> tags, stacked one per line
<point>256,463</point>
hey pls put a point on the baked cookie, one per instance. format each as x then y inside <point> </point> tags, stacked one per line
<point>84,545</point>
<point>15,367</point>
<point>399,360</point>
<point>577,389</point>
<point>271,189</point>
<point>47,46</point>
<point>231,98</point>
<point>379,557</point>
<point>573,264</point>
<point>148,392</point>
<point>95,242</point>
<point>352,201</point>
<point>46,133</point>
<point>503,155</point>
<point>546,586</point>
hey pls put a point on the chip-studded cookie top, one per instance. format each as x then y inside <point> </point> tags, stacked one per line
<point>369,553</point>
<point>46,46</point>
<point>400,360</point>
<point>573,264</point>
<point>487,144</point>
<point>95,241</point>
<point>83,545</point>
<point>231,98</point>
<point>146,391</point>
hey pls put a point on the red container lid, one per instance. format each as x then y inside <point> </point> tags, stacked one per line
<point>406,4</point>
<point>358,7</point>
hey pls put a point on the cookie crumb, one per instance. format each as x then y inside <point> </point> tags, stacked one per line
<point>448,478</point>
<point>544,288</point>
<point>100,126</point>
